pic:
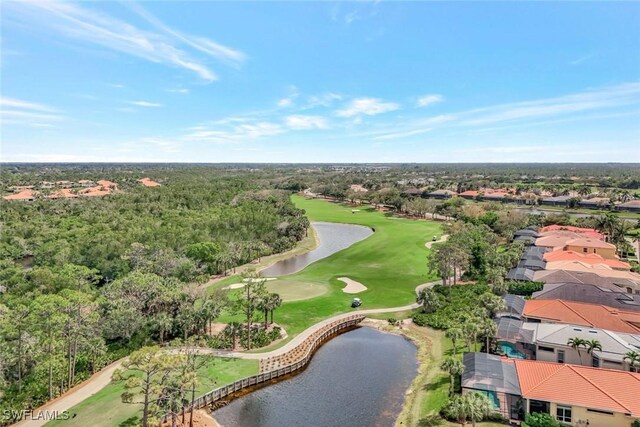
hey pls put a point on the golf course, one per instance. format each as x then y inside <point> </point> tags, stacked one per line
<point>390,263</point>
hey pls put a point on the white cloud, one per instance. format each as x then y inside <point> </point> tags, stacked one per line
<point>145,104</point>
<point>367,106</point>
<point>235,134</point>
<point>324,100</point>
<point>288,101</point>
<point>301,122</point>
<point>399,135</point>
<point>427,100</point>
<point>181,91</point>
<point>593,99</point>
<point>88,26</point>
<point>18,112</point>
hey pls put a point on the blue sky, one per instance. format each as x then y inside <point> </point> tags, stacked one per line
<point>377,81</point>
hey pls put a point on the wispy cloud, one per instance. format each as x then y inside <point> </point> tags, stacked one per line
<point>302,122</point>
<point>181,91</point>
<point>593,99</point>
<point>427,100</point>
<point>581,59</point>
<point>89,26</point>
<point>145,104</point>
<point>19,112</point>
<point>399,135</point>
<point>288,100</point>
<point>368,107</point>
<point>236,134</point>
<point>323,100</point>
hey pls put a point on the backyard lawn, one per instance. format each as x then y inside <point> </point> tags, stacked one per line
<point>105,408</point>
<point>390,263</point>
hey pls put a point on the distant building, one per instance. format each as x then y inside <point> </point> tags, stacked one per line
<point>147,182</point>
<point>631,206</point>
<point>590,294</point>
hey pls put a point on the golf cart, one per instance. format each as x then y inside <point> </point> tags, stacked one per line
<point>435,238</point>
<point>357,302</point>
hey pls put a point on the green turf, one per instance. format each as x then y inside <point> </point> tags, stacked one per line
<point>105,408</point>
<point>390,263</point>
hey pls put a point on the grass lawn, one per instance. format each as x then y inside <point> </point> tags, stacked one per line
<point>390,263</point>
<point>105,408</point>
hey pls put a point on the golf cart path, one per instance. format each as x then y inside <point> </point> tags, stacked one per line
<point>74,396</point>
<point>442,239</point>
<point>102,378</point>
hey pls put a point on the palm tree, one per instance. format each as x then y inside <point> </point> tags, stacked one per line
<point>489,330</point>
<point>264,305</point>
<point>453,367</point>
<point>593,345</point>
<point>633,357</point>
<point>429,299</point>
<point>454,333</point>
<point>478,406</point>
<point>233,328</point>
<point>163,323</point>
<point>575,343</point>
<point>275,302</point>
<point>457,409</point>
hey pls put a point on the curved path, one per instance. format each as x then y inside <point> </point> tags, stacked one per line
<point>442,239</point>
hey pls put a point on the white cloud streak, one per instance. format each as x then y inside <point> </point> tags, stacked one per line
<point>145,104</point>
<point>302,122</point>
<point>368,107</point>
<point>19,112</point>
<point>426,100</point>
<point>88,26</point>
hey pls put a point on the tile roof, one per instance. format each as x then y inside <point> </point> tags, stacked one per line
<point>105,183</point>
<point>469,193</point>
<point>595,388</point>
<point>600,269</point>
<point>556,227</point>
<point>147,182</point>
<point>585,258</point>
<point>22,195</point>
<point>590,243</point>
<point>578,313</point>
<point>591,294</point>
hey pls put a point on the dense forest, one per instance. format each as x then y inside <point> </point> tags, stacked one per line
<point>85,281</point>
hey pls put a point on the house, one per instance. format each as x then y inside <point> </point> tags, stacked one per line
<point>591,294</point>
<point>469,194</point>
<point>631,206</point>
<point>617,284</point>
<point>47,184</point>
<point>441,194</point>
<point>580,395</point>
<point>588,232</point>
<point>23,196</point>
<point>86,183</point>
<point>556,201</point>
<point>601,270</point>
<point>495,378</point>
<point>147,182</point>
<point>521,273</point>
<point>557,256</point>
<point>573,394</point>
<point>595,203</point>
<point>589,245</point>
<point>106,184</point>
<point>64,193</point>
<point>556,240</point>
<point>579,313</point>
<point>549,342</point>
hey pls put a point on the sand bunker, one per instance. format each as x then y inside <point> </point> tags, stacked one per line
<point>245,281</point>
<point>352,287</point>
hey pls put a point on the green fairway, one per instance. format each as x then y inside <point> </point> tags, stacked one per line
<point>105,408</point>
<point>390,263</point>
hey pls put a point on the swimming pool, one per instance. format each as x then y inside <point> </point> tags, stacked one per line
<point>510,350</point>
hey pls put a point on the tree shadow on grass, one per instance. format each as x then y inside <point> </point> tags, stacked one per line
<point>130,422</point>
<point>430,421</point>
<point>436,385</point>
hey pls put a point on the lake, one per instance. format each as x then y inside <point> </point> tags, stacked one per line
<point>333,238</point>
<point>358,378</point>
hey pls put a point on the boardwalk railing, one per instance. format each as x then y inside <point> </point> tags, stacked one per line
<point>303,352</point>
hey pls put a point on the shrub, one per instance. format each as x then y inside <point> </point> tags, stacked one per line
<point>455,301</point>
<point>524,288</point>
<point>538,419</point>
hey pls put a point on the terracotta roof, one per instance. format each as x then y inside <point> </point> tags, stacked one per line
<point>22,195</point>
<point>556,240</point>
<point>105,183</point>
<point>588,231</point>
<point>585,258</point>
<point>591,243</point>
<point>595,388</point>
<point>601,270</point>
<point>578,313</point>
<point>64,193</point>
<point>496,194</point>
<point>470,193</point>
<point>631,204</point>
<point>148,182</point>
<point>95,191</point>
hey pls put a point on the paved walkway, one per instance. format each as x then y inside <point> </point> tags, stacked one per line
<point>74,396</point>
<point>442,239</point>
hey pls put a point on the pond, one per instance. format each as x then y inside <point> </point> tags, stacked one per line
<point>333,238</point>
<point>358,378</point>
